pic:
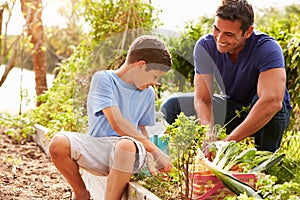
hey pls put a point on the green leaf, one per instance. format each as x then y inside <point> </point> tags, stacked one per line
<point>268,163</point>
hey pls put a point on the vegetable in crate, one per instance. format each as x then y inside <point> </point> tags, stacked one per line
<point>232,183</point>
<point>229,154</point>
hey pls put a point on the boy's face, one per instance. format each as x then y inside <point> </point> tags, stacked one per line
<point>144,79</point>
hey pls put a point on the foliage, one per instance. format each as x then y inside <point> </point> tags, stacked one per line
<point>66,112</point>
<point>61,40</point>
<point>16,126</point>
<point>182,49</point>
<point>185,137</point>
<point>60,43</point>
<point>159,185</point>
<point>108,17</point>
<point>286,171</point>
<point>290,145</point>
<point>271,190</point>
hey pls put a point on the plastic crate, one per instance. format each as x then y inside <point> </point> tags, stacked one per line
<point>205,185</point>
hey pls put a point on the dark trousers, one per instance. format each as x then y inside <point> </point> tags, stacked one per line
<point>267,138</point>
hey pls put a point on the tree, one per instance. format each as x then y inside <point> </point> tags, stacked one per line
<point>32,12</point>
<point>7,6</point>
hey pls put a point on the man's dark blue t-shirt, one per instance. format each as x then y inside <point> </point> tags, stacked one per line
<point>239,80</point>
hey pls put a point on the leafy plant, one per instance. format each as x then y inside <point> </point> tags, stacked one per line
<point>286,171</point>
<point>185,135</point>
<point>16,126</point>
<point>271,190</point>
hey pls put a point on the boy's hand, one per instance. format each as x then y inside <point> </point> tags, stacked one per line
<point>151,164</point>
<point>163,161</point>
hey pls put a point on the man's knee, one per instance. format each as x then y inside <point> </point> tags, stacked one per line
<point>59,146</point>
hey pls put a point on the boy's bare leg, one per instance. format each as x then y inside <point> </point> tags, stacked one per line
<point>60,152</point>
<point>122,168</point>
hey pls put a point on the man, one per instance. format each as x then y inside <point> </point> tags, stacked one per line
<point>249,67</point>
<point>120,104</point>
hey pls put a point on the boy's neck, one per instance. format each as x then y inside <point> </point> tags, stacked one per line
<point>125,73</point>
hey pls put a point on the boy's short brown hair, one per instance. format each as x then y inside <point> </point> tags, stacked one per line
<point>152,50</point>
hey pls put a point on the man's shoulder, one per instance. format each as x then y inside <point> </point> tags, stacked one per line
<point>262,39</point>
<point>206,42</point>
<point>263,44</point>
<point>208,39</point>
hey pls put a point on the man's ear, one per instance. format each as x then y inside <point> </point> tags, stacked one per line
<point>249,31</point>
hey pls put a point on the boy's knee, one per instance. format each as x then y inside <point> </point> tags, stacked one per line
<point>126,145</point>
<point>125,155</point>
<point>59,146</point>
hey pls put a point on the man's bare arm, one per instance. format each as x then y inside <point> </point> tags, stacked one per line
<point>203,98</point>
<point>270,90</point>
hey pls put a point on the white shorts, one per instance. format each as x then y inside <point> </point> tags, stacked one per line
<point>96,154</point>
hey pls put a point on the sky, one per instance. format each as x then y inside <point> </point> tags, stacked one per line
<point>175,13</point>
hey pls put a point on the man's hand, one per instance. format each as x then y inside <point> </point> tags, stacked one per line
<point>205,149</point>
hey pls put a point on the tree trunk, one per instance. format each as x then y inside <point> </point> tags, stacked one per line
<point>32,12</point>
<point>1,20</point>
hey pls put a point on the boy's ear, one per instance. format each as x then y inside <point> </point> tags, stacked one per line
<point>141,63</point>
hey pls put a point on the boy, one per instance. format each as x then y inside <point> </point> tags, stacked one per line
<point>120,104</point>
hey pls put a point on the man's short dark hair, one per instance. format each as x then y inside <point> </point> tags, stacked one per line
<point>152,50</point>
<point>237,10</point>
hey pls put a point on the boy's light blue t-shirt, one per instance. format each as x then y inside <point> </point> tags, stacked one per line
<point>106,90</point>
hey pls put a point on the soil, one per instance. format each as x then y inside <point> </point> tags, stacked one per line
<point>27,173</point>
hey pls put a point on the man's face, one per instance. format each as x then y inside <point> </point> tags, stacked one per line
<point>144,79</point>
<point>228,36</point>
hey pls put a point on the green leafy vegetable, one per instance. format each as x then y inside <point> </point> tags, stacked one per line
<point>230,153</point>
<point>268,163</point>
<point>232,183</point>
